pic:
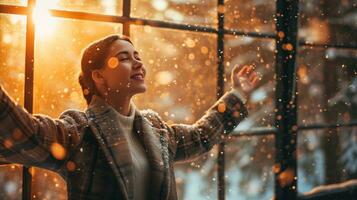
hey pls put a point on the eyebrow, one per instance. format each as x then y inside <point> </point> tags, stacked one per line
<point>125,52</point>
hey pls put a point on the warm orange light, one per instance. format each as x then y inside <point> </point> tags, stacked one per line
<point>42,18</point>
<point>8,143</point>
<point>71,166</point>
<point>286,177</point>
<point>58,151</point>
<point>113,62</point>
<point>221,107</point>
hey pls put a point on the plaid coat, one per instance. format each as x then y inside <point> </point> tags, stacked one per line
<point>28,140</point>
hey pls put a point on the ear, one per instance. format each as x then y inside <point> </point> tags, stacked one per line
<point>98,77</point>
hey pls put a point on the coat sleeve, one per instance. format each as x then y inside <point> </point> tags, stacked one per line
<point>189,141</point>
<point>37,140</point>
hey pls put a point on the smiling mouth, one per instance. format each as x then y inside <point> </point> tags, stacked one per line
<point>139,77</point>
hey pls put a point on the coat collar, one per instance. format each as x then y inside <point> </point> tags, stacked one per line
<point>102,119</point>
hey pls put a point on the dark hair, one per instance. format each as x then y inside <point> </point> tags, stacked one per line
<point>94,57</point>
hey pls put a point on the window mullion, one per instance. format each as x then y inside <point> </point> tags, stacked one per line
<point>219,93</point>
<point>285,167</point>
<point>28,96</point>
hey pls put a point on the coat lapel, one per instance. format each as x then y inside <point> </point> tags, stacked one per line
<point>110,136</point>
<point>157,155</point>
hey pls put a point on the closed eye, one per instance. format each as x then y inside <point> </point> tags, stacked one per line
<point>123,58</point>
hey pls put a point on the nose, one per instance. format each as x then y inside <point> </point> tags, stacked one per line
<point>138,64</point>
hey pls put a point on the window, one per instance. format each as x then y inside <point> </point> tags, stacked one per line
<point>189,48</point>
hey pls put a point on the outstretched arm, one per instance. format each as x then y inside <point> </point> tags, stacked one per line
<point>36,140</point>
<point>190,141</point>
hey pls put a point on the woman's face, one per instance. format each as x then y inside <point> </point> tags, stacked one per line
<point>124,72</point>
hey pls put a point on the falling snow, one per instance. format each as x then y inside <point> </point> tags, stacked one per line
<point>182,78</point>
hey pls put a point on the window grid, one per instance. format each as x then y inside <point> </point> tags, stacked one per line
<point>286,12</point>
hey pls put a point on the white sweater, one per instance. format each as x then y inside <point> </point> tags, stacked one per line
<point>141,167</point>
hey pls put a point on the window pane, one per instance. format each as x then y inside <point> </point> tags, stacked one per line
<point>179,11</point>
<point>310,157</point>
<point>332,21</point>
<point>109,7</point>
<point>14,2</point>
<point>57,66</point>
<point>198,179</point>
<point>249,164</point>
<point>260,54</point>
<point>181,68</point>
<point>12,55</point>
<point>327,94</point>
<point>47,185</point>
<point>326,85</point>
<point>12,69</point>
<point>326,157</point>
<point>11,182</point>
<point>250,15</point>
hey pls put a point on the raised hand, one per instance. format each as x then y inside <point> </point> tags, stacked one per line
<point>244,78</point>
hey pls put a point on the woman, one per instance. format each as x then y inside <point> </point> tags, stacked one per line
<point>113,150</point>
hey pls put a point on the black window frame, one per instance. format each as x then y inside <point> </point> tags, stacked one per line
<point>286,128</point>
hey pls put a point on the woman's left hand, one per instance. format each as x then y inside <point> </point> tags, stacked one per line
<point>244,78</point>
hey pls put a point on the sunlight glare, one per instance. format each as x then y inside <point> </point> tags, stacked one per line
<point>44,24</point>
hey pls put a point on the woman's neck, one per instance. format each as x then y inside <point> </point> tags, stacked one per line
<point>119,103</point>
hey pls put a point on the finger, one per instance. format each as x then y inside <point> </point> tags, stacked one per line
<point>243,70</point>
<point>236,68</point>
<point>250,69</point>
<point>248,72</point>
<point>252,75</point>
<point>254,79</point>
